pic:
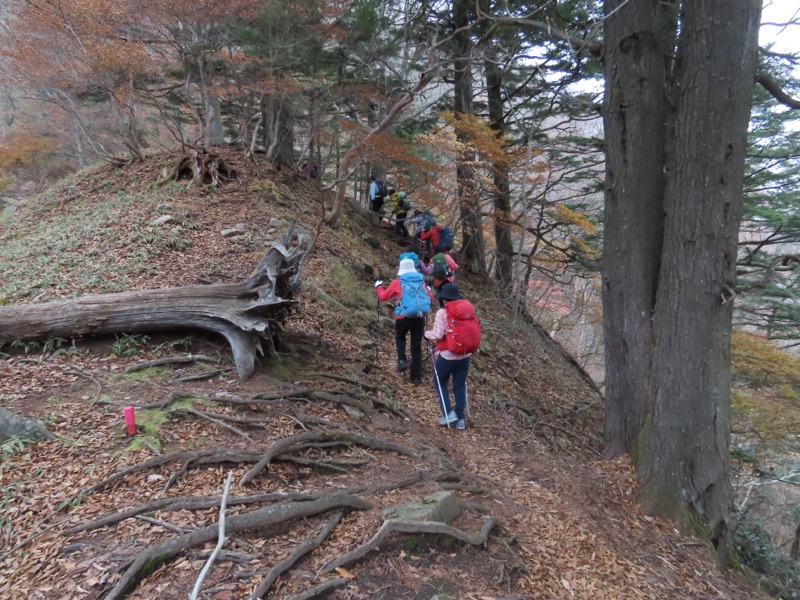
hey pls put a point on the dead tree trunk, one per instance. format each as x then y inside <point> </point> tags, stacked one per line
<point>247,314</point>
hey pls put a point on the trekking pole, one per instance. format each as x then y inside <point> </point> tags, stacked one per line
<point>377,328</point>
<point>438,385</point>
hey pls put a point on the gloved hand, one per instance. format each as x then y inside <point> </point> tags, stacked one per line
<point>378,283</point>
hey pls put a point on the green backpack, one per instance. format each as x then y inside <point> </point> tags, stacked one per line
<point>441,268</point>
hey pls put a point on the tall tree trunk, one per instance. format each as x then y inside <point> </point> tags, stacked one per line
<point>685,459</point>
<point>668,302</point>
<point>504,263</point>
<point>279,130</point>
<point>472,252</point>
<point>213,111</point>
<point>634,110</point>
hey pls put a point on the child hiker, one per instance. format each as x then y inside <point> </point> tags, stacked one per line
<point>414,300</point>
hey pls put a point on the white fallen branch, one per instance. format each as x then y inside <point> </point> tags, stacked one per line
<point>220,540</point>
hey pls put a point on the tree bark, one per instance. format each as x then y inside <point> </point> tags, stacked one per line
<point>634,111</point>
<point>279,132</point>
<point>247,314</point>
<point>504,247</point>
<point>472,251</point>
<point>675,141</point>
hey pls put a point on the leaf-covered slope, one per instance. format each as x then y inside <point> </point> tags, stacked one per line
<point>569,524</point>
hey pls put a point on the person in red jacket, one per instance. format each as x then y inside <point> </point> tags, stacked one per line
<point>448,363</point>
<point>431,236</point>
<point>403,325</point>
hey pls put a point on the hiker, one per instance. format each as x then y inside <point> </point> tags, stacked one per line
<point>414,300</point>
<point>457,333</point>
<point>417,221</point>
<point>377,194</point>
<point>400,207</point>
<point>419,264</point>
<point>424,221</point>
<point>310,170</point>
<point>443,270</point>
<point>430,235</point>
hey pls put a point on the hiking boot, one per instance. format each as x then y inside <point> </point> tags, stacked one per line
<point>450,418</point>
<point>416,382</point>
<point>402,365</point>
<point>461,424</point>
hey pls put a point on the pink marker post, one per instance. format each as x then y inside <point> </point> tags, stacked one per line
<point>130,420</point>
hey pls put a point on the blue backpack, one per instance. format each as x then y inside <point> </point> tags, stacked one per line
<point>446,239</point>
<point>414,298</point>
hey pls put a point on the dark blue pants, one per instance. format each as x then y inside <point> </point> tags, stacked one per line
<point>458,370</point>
<point>415,326</point>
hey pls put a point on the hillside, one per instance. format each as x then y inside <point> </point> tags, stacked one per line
<point>569,526</point>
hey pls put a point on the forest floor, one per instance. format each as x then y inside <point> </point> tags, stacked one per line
<point>568,525</point>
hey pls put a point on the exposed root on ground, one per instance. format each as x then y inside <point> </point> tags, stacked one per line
<point>154,556</point>
<point>404,526</point>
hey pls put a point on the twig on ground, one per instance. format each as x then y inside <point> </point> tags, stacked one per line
<point>213,419</point>
<point>221,539</point>
<point>92,378</point>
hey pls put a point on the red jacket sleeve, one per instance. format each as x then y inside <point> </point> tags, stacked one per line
<point>432,234</point>
<point>393,291</point>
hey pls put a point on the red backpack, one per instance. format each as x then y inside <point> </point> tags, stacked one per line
<point>463,328</point>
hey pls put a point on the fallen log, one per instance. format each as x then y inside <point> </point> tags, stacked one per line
<point>248,314</point>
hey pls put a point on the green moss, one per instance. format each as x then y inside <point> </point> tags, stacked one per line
<point>148,374</point>
<point>348,289</point>
<point>411,544</point>
<point>286,368</point>
<point>699,526</point>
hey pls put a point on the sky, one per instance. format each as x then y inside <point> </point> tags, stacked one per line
<point>786,39</point>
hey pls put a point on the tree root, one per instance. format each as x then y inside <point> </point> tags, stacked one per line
<point>291,443</point>
<point>213,419</point>
<point>321,589</point>
<point>405,526</point>
<point>201,376</point>
<point>186,503</point>
<point>154,556</point>
<point>175,360</point>
<point>202,167</point>
<point>298,553</point>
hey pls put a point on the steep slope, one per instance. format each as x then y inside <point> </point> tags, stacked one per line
<point>568,527</point>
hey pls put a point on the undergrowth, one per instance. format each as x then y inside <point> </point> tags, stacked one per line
<point>55,249</point>
<point>765,402</point>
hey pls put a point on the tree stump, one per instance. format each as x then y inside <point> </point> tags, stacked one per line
<point>248,314</point>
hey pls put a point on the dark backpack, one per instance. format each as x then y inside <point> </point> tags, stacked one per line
<point>383,191</point>
<point>414,298</point>
<point>463,328</point>
<point>441,268</point>
<point>446,239</point>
